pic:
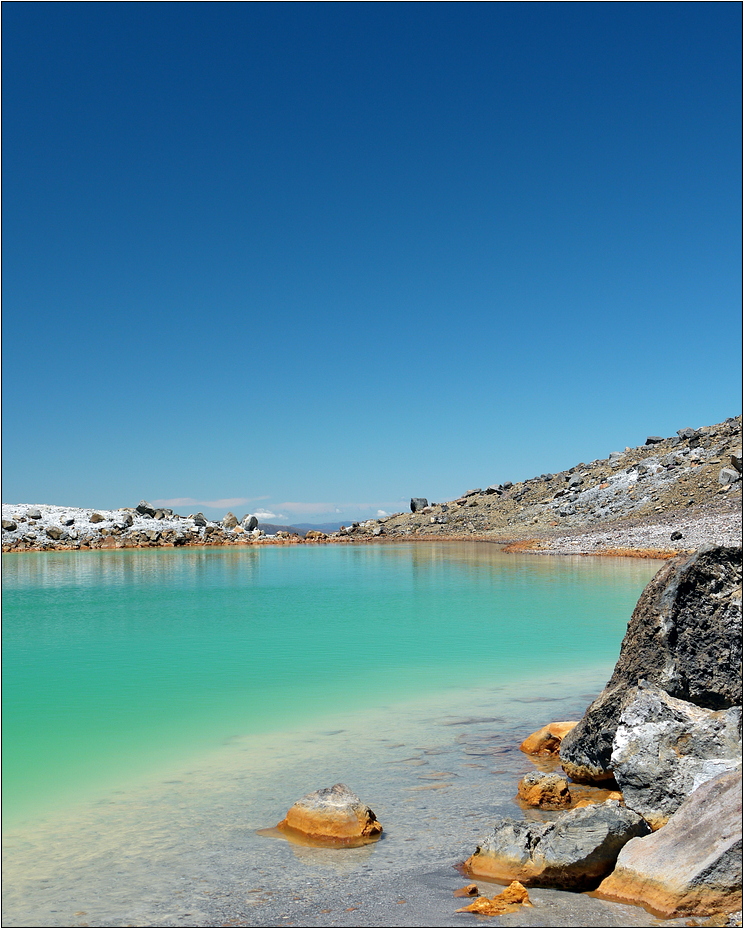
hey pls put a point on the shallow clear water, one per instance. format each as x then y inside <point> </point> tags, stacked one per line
<point>118,665</point>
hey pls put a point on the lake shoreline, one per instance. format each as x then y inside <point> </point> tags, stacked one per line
<point>228,874</point>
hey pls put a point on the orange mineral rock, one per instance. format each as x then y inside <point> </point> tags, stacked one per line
<point>508,901</point>
<point>546,791</point>
<point>547,741</point>
<point>469,890</point>
<point>333,816</point>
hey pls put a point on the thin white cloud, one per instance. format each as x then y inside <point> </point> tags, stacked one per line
<point>322,509</point>
<point>176,501</point>
<point>266,514</point>
<point>226,503</point>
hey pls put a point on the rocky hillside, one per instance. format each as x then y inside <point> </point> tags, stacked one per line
<point>671,494</point>
<point>670,482</point>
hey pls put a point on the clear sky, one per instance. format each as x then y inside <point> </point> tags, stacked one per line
<point>312,259</point>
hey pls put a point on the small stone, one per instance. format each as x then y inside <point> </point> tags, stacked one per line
<point>654,440</point>
<point>508,901</point>
<point>728,476</point>
<point>686,433</point>
<point>736,459</point>
<point>546,791</point>
<point>675,536</point>
<point>67,520</point>
<point>96,518</point>
<point>9,525</point>
<point>469,890</point>
<point>54,532</point>
<point>33,513</point>
<point>333,815</point>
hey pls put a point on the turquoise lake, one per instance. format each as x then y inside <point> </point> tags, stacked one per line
<point>119,665</point>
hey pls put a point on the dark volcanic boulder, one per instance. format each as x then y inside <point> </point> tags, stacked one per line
<point>418,503</point>
<point>144,508</point>
<point>685,637</point>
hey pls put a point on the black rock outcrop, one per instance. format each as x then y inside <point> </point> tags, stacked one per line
<point>685,637</point>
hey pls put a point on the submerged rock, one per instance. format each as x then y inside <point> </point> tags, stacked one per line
<point>547,741</point>
<point>573,853</point>
<point>333,815</point>
<point>685,637</point>
<point>691,867</point>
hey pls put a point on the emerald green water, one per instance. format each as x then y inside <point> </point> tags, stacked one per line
<point>124,663</point>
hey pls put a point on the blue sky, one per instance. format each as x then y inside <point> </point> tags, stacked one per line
<point>312,259</point>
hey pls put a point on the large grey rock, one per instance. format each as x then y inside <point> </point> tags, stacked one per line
<point>33,513</point>
<point>126,519</point>
<point>654,440</point>
<point>229,521</point>
<point>736,459</point>
<point>728,476</point>
<point>665,748</point>
<point>96,518</point>
<point>54,532</point>
<point>9,524</point>
<point>250,523</point>
<point>418,503</point>
<point>687,433</point>
<point>574,852</point>
<point>691,867</point>
<point>685,637</point>
<point>200,520</point>
<point>144,508</point>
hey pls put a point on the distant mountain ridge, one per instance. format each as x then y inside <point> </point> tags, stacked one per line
<point>300,528</point>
